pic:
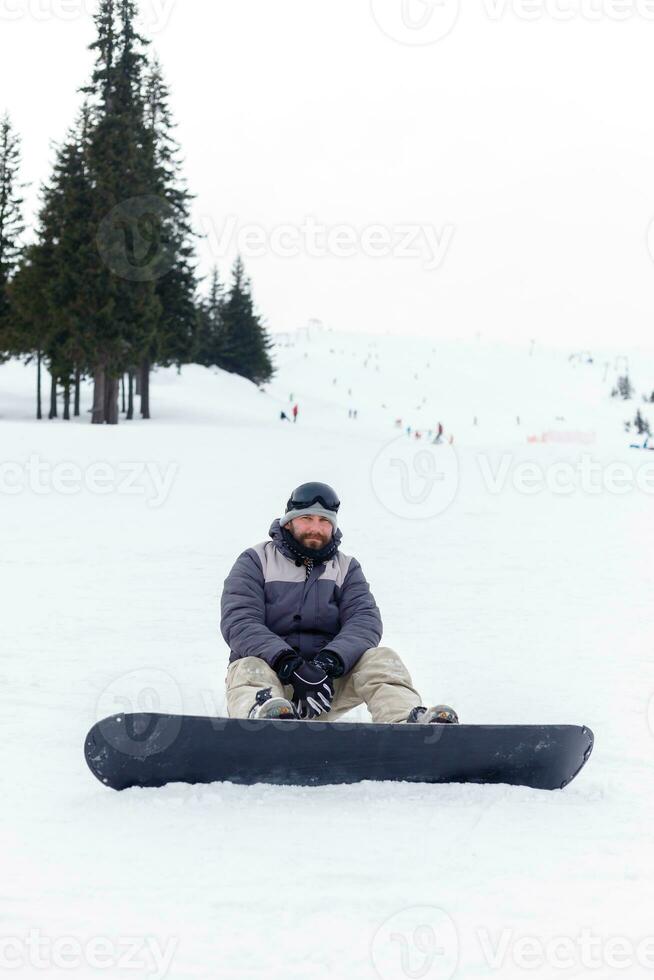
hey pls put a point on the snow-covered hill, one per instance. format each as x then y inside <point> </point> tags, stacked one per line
<point>515,579</point>
<point>424,382</point>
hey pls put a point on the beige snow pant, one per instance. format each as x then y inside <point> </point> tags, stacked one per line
<point>379,679</point>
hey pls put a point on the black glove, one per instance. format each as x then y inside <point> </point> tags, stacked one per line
<point>285,664</point>
<point>313,690</point>
<point>330,662</point>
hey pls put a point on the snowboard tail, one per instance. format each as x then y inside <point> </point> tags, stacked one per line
<point>155,749</point>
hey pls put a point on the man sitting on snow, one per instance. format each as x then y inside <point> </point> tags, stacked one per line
<point>303,627</point>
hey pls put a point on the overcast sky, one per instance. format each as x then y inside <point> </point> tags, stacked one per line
<point>394,165</point>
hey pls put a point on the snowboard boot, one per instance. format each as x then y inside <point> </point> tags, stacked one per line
<point>440,714</point>
<point>266,706</point>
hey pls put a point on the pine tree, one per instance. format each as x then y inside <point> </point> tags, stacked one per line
<point>11,222</point>
<point>32,332</point>
<point>176,284</point>
<point>51,291</point>
<point>110,285</point>
<point>625,387</point>
<point>246,338</point>
<point>120,155</point>
<point>30,309</point>
<point>74,258</point>
<point>105,44</point>
<point>211,350</point>
<point>642,425</point>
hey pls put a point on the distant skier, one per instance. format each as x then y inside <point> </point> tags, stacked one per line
<point>295,411</point>
<point>438,438</point>
<point>283,416</point>
<point>303,627</point>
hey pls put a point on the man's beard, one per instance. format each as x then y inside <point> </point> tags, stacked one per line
<point>319,550</point>
<point>310,539</point>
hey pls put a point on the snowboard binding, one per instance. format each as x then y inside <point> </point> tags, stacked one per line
<point>440,714</point>
<point>266,706</point>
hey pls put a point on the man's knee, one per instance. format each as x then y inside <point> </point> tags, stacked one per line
<point>250,671</point>
<point>383,659</point>
<point>244,678</point>
<point>376,653</point>
<point>380,655</point>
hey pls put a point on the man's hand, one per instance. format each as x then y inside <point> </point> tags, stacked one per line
<point>313,690</point>
<point>311,680</point>
<point>330,662</point>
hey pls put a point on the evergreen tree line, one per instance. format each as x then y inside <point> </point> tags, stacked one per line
<point>641,424</point>
<point>625,390</point>
<point>108,289</point>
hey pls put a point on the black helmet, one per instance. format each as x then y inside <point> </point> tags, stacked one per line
<point>308,494</point>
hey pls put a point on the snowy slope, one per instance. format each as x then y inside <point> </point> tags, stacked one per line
<point>515,605</point>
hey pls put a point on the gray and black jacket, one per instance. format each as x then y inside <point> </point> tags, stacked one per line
<point>269,605</point>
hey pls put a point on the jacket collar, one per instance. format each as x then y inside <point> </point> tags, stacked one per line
<point>275,533</point>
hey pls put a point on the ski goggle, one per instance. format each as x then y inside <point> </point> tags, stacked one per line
<point>313,493</point>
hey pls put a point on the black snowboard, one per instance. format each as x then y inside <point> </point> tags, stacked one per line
<point>154,749</point>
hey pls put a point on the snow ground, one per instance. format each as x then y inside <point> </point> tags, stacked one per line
<point>514,606</point>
